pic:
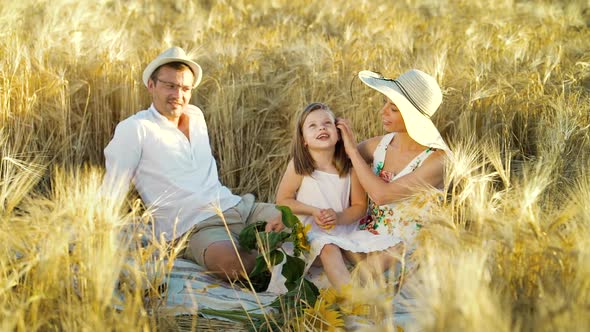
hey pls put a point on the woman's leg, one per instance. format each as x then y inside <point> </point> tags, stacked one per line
<point>355,257</point>
<point>370,267</point>
<point>384,260</point>
<point>362,272</point>
<point>334,266</point>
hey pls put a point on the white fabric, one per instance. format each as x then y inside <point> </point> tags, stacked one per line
<point>417,96</point>
<point>401,219</point>
<point>381,151</point>
<point>192,290</point>
<point>325,190</point>
<point>176,178</point>
<point>173,54</point>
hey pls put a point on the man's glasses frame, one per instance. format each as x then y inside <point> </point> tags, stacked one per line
<point>174,86</point>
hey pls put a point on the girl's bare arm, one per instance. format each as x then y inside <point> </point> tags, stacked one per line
<point>358,203</point>
<point>287,192</point>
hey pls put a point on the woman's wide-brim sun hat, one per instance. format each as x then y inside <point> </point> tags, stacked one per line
<point>417,96</point>
<point>173,54</point>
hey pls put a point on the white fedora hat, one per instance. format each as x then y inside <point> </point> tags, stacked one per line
<point>417,96</point>
<point>173,54</point>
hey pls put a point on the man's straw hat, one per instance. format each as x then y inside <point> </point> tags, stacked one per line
<point>417,96</point>
<point>173,54</point>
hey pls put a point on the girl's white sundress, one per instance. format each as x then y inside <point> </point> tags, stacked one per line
<point>326,190</point>
<point>401,219</point>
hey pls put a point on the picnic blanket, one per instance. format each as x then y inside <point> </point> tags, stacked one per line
<point>190,288</point>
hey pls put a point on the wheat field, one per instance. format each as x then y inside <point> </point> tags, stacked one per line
<point>509,248</point>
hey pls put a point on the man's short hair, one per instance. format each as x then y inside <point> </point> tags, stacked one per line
<point>175,65</point>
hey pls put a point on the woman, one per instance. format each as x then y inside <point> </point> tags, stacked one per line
<point>410,157</point>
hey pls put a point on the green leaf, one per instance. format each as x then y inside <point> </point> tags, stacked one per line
<point>260,266</point>
<point>287,216</point>
<point>262,325</point>
<point>236,315</point>
<point>309,291</point>
<point>292,271</point>
<point>276,257</point>
<point>247,237</point>
<point>273,240</point>
<point>261,281</point>
<point>304,294</point>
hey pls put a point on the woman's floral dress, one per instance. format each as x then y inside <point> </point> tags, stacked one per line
<point>402,218</point>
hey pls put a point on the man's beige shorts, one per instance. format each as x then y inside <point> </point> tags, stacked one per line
<point>213,229</point>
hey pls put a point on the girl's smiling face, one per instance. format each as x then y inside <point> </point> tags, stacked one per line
<point>319,130</point>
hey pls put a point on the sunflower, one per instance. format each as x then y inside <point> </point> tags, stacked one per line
<point>329,295</point>
<point>324,316</point>
<point>300,240</point>
<point>351,302</point>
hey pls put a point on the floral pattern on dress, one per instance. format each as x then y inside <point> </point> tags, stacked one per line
<point>401,218</point>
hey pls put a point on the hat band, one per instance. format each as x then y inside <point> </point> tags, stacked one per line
<point>409,98</point>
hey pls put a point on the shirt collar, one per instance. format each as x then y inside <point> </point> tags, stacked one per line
<point>159,117</point>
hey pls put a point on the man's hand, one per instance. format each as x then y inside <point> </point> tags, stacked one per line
<point>274,225</point>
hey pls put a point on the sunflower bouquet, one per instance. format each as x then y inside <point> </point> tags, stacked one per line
<point>303,307</point>
<point>336,310</point>
<point>270,249</point>
<point>301,293</point>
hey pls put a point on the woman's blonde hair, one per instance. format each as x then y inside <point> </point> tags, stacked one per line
<point>304,163</point>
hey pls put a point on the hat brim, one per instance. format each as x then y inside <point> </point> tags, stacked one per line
<point>197,71</point>
<point>419,127</point>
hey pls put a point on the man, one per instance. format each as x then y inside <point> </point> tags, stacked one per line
<point>165,151</point>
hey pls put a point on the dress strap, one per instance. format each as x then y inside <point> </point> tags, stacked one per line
<point>380,151</point>
<point>415,163</point>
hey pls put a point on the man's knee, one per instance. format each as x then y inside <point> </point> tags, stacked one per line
<point>222,258</point>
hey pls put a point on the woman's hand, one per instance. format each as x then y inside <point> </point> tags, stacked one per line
<point>346,134</point>
<point>325,218</point>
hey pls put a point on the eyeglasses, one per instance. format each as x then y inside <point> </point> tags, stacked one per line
<point>174,86</point>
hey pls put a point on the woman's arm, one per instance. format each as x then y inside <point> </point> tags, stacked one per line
<point>358,203</point>
<point>366,148</point>
<point>287,192</point>
<point>359,156</point>
<point>430,173</point>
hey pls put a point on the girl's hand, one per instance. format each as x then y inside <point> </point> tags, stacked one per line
<point>317,217</point>
<point>346,134</point>
<point>325,218</point>
<point>329,217</point>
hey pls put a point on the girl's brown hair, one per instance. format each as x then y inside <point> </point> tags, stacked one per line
<point>304,163</point>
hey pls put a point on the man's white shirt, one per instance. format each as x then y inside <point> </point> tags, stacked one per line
<point>176,178</point>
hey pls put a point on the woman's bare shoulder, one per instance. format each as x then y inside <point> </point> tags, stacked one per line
<point>437,156</point>
<point>368,146</point>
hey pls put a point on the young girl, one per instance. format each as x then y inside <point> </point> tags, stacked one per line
<point>321,187</point>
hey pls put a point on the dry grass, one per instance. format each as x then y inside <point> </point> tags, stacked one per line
<point>509,248</point>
